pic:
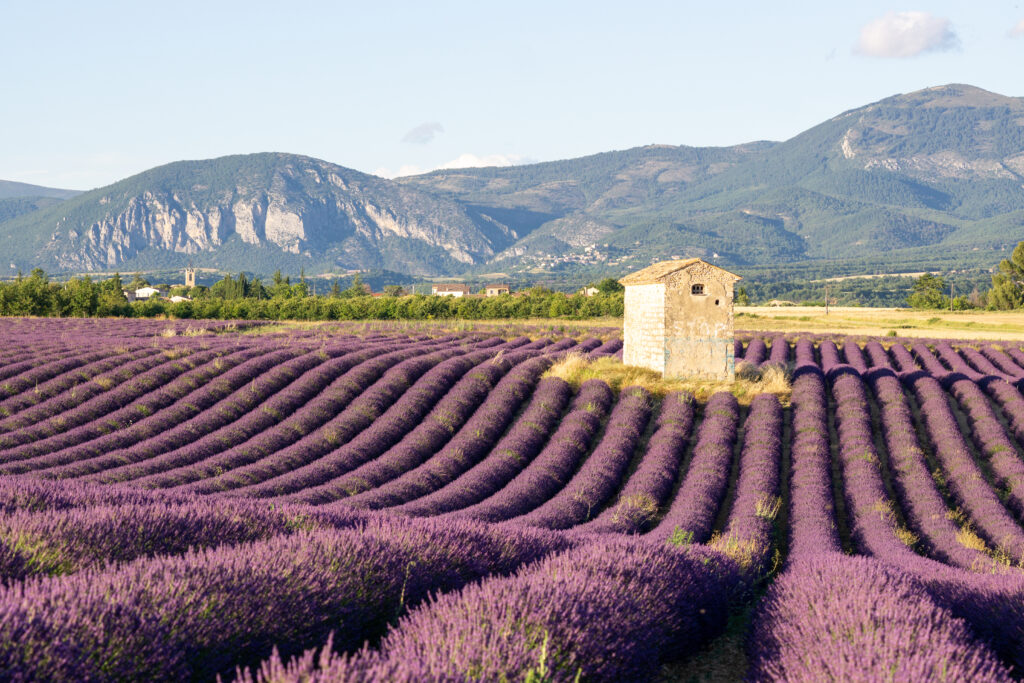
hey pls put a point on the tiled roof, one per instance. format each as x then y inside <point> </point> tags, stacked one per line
<point>659,271</point>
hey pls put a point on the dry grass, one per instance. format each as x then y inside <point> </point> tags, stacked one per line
<point>575,369</point>
<point>905,322</point>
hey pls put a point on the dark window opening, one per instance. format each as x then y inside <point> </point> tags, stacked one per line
<point>697,289</point>
<point>716,302</point>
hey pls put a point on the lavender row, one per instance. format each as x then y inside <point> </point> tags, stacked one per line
<point>779,354</point>
<point>127,373</point>
<point>692,513</point>
<point>117,411</point>
<point>198,615</point>
<point>94,400</point>
<point>32,379</point>
<point>198,431</point>
<point>431,433</point>
<point>597,480</point>
<point>749,531</point>
<point>549,471</point>
<point>293,412</point>
<point>187,408</point>
<point>66,382</point>
<point>915,488</point>
<point>556,621</point>
<point>756,352</point>
<point>517,448</point>
<point>467,447</point>
<point>836,617</point>
<point>966,482</point>
<point>64,541</point>
<point>368,424</point>
<point>353,438</point>
<point>649,487</point>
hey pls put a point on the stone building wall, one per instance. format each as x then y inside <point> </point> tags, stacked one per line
<point>699,327</point>
<point>643,331</point>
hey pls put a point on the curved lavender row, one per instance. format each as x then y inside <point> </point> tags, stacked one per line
<point>68,540</point>
<point>55,417</point>
<point>17,428</point>
<point>38,358</point>
<point>1002,361</point>
<point>318,459</point>
<point>516,449</point>
<point>904,361</point>
<point>164,618</point>
<point>966,482</point>
<point>649,487</point>
<point>367,426</point>
<point>877,355</point>
<point>1015,354</point>
<point>915,488</point>
<point>812,525</point>
<point>302,413</point>
<point>930,362</point>
<point>992,442</point>
<point>189,407</point>
<point>1012,405</point>
<point>547,473</point>
<point>233,417</point>
<point>779,354</point>
<point>608,348</point>
<point>37,495</point>
<point>949,356</point>
<point>700,495</point>
<point>106,368</point>
<point>748,533</point>
<point>563,617</point>
<point>209,426</point>
<point>596,481</point>
<point>756,351</point>
<point>53,370</point>
<point>880,625</point>
<point>116,410</point>
<point>855,356</point>
<point>737,349</point>
<point>412,449</point>
<point>979,362</point>
<point>467,447</point>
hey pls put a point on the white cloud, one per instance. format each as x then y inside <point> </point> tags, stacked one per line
<point>465,160</point>
<point>423,133</point>
<point>473,161</point>
<point>906,34</point>
<point>1018,30</point>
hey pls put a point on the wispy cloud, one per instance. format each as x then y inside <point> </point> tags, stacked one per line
<point>906,34</point>
<point>1018,30</point>
<point>466,160</point>
<point>423,133</point>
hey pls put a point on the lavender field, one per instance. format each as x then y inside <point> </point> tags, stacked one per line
<point>188,501</point>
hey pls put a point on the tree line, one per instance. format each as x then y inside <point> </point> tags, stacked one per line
<point>281,299</point>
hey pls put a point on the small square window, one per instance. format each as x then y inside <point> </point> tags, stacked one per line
<point>697,289</point>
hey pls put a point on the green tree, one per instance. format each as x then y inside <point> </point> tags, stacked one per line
<point>1008,284</point>
<point>609,285</point>
<point>927,292</point>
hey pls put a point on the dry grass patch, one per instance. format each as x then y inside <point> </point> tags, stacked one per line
<point>575,369</point>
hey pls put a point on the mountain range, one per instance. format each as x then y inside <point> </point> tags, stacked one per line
<point>936,175</point>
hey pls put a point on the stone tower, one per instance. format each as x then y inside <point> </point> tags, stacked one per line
<point>678,320</point>
<point>190,277</point>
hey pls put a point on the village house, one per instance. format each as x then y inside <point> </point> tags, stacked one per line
<point>678,319</point>
<point>146,292</point>
<point>497,290</point>
<point>589,291</point>
<point>449,289</point>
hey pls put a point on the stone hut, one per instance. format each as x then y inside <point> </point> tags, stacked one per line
<point>678,319</point>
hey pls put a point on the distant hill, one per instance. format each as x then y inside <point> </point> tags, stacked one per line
<point>938,168</point>
<point>931,177</point>
<point>11,190</point>
<point>255,212</point>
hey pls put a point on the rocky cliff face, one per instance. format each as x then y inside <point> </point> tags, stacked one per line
<point>297,205</point>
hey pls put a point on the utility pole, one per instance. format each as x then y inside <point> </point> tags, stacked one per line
<point>950,297</point>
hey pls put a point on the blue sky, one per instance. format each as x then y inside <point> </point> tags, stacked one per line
<point>94,92</point>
